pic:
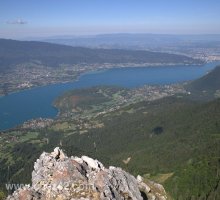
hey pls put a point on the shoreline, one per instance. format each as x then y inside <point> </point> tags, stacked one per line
<point>105,68</point>
<point>88,72</point>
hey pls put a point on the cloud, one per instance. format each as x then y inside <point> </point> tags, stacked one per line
<point>17,21</point>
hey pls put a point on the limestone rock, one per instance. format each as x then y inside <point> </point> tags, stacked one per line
<point>55,176</point>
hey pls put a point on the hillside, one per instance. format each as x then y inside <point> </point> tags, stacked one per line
<point>25,65</point>
<point>207,87</point>
<point>171,140</point>
<point>16,52</point>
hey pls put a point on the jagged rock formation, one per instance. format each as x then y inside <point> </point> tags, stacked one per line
<point>56,176</point>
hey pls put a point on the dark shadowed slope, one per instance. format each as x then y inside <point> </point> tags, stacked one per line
<point>211,81</point>
<point>206,87</point>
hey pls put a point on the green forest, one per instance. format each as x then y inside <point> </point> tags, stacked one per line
<point>174,141</point>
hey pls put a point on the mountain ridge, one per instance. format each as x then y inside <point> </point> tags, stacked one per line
<point>13,52</point>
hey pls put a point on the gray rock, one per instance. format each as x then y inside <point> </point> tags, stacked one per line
<point>56,176</point>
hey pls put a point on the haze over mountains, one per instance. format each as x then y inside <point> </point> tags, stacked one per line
<point>124,40</point>
<point>198,45</point>
<point>16,52</point>
<point>25,64</point>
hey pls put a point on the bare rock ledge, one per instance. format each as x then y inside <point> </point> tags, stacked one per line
<point>58,177</point>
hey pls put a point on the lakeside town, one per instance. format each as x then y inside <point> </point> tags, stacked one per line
<point>29,75</point>
<point>83,118</point>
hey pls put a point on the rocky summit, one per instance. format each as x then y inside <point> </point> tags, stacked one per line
<point>56,176</point>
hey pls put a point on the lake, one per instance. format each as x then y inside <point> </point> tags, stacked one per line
<point>37,102</point>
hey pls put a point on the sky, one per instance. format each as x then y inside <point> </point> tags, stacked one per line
<point>44,18</point>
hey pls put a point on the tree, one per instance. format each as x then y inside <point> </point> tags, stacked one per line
<point>2,195</point>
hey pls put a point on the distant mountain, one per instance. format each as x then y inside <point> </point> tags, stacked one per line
<point>137,41</point>
<point>14,52</point>
<point>208,86</point>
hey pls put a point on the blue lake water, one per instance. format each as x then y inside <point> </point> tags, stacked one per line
<point>34,103</point>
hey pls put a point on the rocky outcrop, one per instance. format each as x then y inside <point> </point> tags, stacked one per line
<point>57,177</point>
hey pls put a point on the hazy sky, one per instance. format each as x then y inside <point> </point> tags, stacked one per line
<point>39,18</point>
